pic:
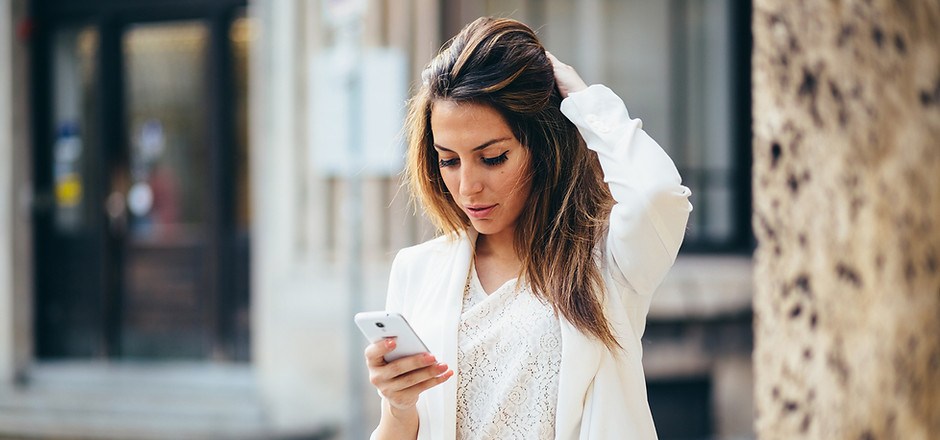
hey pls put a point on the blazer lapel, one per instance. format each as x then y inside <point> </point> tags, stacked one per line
<point>580,361</point>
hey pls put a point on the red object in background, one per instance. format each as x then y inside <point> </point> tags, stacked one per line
<point>25,28</point>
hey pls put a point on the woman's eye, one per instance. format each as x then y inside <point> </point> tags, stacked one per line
<point>446,163</point>
<point>492,161</point>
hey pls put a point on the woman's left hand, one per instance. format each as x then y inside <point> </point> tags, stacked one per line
<point>566,78</point>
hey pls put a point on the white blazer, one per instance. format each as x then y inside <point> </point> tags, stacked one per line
<point>602,393</point>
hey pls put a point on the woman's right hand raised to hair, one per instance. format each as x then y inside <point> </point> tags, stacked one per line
<point>566,78</point>
<point>401,382</point>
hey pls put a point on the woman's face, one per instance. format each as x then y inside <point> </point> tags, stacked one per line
<point>484,166</point>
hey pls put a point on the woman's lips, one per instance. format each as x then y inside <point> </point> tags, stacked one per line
<point>479,211</point>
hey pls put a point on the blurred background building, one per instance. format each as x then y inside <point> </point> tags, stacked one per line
<point>198,194</point>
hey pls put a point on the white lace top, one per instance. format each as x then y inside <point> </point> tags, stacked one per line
<point>508,360</point>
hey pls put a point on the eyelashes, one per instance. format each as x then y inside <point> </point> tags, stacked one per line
<point>489,161</point>
<point>493,161</point>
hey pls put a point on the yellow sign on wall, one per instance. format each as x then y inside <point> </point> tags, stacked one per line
<point>68,190</point>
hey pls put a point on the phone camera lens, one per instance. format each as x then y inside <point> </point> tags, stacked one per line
<point>379,325</point>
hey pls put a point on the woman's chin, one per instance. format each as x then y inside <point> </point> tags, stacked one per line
<point>487,227</point>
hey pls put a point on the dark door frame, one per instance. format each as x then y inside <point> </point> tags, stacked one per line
<point>111,18</point>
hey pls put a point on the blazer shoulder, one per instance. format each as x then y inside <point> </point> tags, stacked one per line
<point>420,255</point>
<point>434,245</point>
<point>419,270</point>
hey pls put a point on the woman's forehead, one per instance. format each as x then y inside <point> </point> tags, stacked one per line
<point>466,124</point>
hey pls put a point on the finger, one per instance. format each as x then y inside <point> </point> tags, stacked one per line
<point>375,352</point>
<point>383,375</point>
<point>429,383</point>
<point>407,397</point>
<point>551,56</point>
<point>415,377</point>
<point>408,364</point>
<point>556,63</point>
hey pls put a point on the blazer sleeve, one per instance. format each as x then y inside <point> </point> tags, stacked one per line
<point>393,298</point>
<point>393,303</point>
<point>648,220</point>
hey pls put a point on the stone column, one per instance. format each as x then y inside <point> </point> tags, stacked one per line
<point>16,268</point>
<point>847,216</point>
<point>7,192</point>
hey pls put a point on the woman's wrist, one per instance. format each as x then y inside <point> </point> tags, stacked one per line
<point>397,423</point>
<point>403,414</point>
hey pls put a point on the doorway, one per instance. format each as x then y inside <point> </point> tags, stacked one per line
<point>142,212</point>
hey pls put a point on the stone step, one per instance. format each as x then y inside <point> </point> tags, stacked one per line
<point>173,375</point>
<point>134,401</point>
<point>130,402</point>
<point>84,425</point>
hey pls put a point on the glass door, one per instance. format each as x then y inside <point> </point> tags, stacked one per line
<point>163,181</point>
<point>70,279</point>
<point>142,213</point>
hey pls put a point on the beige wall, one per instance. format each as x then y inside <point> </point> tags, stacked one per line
<point>847,204</point>
<point>305,348</point>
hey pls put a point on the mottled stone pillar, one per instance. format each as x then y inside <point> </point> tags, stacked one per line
<point>847,216</point>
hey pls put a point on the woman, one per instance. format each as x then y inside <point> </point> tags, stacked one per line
<point>538,288</point>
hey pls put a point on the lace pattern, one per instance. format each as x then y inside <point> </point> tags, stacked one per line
<point>508,356</point>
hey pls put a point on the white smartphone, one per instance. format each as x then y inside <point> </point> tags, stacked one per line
<point>377,326</point>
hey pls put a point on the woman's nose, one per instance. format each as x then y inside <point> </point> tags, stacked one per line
<point>471,181</point>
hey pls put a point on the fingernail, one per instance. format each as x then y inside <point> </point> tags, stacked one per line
<point>442,367</point>
<point>390,343</point>
<point>429,358</point>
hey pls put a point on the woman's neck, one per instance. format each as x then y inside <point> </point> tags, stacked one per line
<point>496,261</point>
<point>500,246</point>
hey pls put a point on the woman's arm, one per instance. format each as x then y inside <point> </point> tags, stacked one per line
<point>400,382</point>
<point>648,222</point>
<point>397,424</point>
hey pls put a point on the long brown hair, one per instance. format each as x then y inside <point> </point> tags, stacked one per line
<point>502,64</point>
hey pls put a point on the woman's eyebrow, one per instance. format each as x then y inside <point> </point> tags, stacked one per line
<point>482,146</point>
